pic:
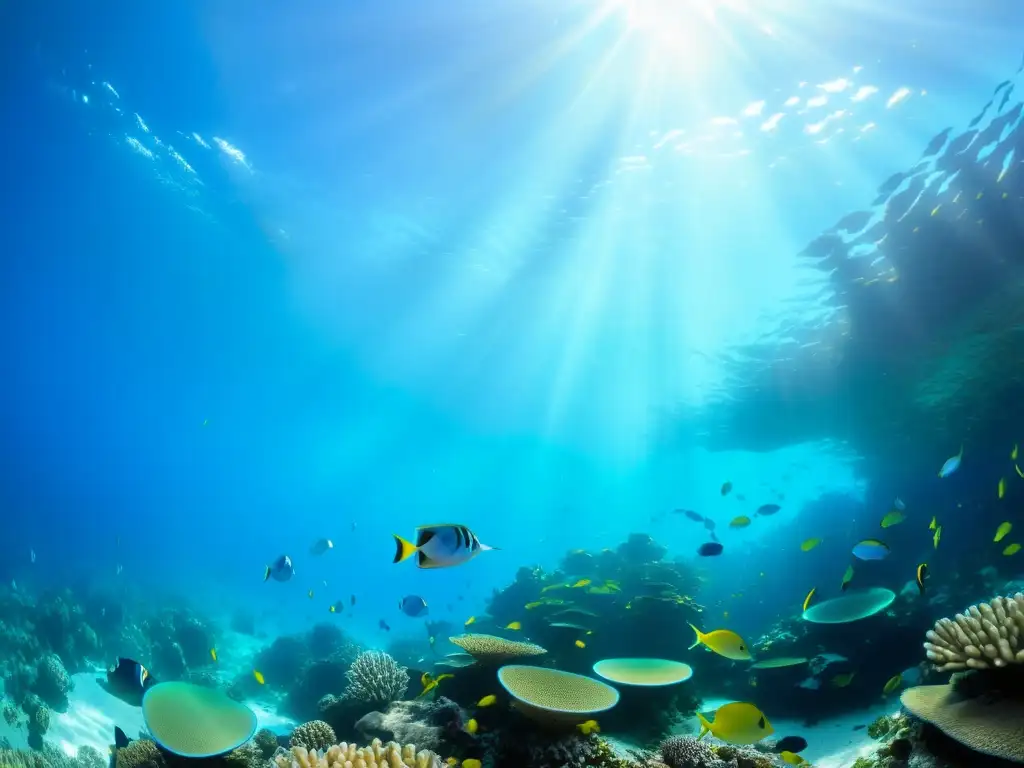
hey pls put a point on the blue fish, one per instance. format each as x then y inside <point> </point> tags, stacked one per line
<point>440,546</point>
<point>952,464</point>
<point>871,549</point>
<point>128,681</point>
<point>280,570</point>
<point>768,509</point>
<point>413,605</point>
<point>710,549</point>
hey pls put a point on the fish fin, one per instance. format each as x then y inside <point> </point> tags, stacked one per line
<point>121,739</point>
<point>705,726</point>
<point>403,549</point>
<point>266,573</point>
<point>698,641</point>
<point>487,548</point>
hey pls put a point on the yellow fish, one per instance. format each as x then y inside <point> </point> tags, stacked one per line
<point>810,544</point>
<point>470,620</point>
<point>810,596</point>
<point>791,757</point>
<point>847,578</point>
<point>1019,473</point>
<point>1002,530</point>
<point>742,521</point>
<point>487,700</point>
<point>589,727</point>
<point>534,604</point>
<point>1012,549</point>
<point>472,726</point>
<point>1001,488</point>
<point>580,644</point>
<point>471,763</point>
<point>841,681</point>
<point>452,761</point>
<point>581,583</point>
<point>893,517</point>
<point>894,682</point>
<point>736,723</point>
<point>549,587</point>
<point>213,654</point>
<point>936,537</point>
<point>514,625</point>
<point>932,524</point>
<point>724,642</point>
<point>259,676</point>
<point>1013,453</point>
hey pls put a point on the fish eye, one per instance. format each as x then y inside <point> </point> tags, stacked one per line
<point>743,647</point>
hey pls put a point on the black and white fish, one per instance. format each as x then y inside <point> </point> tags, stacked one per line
<point>280,570</point>
<point>128,681</point>
<point>440,546</point>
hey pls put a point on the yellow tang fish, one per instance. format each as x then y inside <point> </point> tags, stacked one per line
<point>213,654</point>
<point>841,681</point>
<point>1002,530</point>
<point>1012,549</point>
<point>580,644</point>
<point>932,524</point>
<point>791,757</point>
<point>471,762</point>
<point>470,620</point>
<point>1019,473</point>
<point>1013,453</point>
<point>937,537</point>
<point>514,625</point>
<point>534,604</point>
<point>452,761</point>
<point>894,682</point>
<point>893,517</point>
<point>810,596</point>
<point>736,723</point>
<point>589,727</point>
<point>741,521</point>
<point>1001,488</point>
<point>847,578</point>
<point>259,676</point>
<point>810,544</point>
<point>581,583</point>
<point>472,726</point>
<point>724,642</point>
<point>487,700</point>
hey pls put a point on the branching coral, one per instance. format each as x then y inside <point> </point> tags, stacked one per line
<point>988,635</point>
<point>316,734</point>
<point>345,755</point>
<point>376,678</point>
<point>687,752</point>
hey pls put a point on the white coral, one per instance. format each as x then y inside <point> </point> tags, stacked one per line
<point>345,755</point>
<point>988,635</point>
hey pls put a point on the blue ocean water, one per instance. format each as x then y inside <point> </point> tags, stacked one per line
<point>275,272</point>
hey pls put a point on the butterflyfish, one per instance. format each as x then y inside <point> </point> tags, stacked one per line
<point>810,596</point>
<point>440,546</point>
<point>893,517</point>
<point>736,723</point>
<point>724,642</point>
<point>1011,549</point>
<point>279,570</point>
<point>921,575</point>
<point>1002,531</point>
<point>952,464</point>
<point>580,644</point>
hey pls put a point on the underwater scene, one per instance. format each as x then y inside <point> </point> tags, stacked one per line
<point>512,384</point>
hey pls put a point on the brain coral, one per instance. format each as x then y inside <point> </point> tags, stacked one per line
<point>988,635</point>
<point>345,755</point>
<point>489,649</point>
<point>376,678</point>
<point>316,734</point>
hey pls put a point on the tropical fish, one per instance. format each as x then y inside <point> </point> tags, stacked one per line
<point>589,727</point>
<point>1013,453</point>
<point>1001,487</point>
<point>695,516</point>
<point>810,544</point>
<point>709,524</point>
<point>580,644</point>
<point>581,583</point>
<point>933,524</point>
<point>472,726</point>
<point>847,578</point>
<point>768,509</point>
<point>893,517</point>
<point>792,758</point>
<point>736,723</point>
<point>320,546</point>
<point>937,537</point>
<point>741,521</point>
<point>213,654</point>
<point>724,642</point>
<point>413,606</point>
<point>429,683</point>
<point>534,604</point>
<point>121,741</point>
<point>1011,549</point>
<point>726,487</point>
<point>280,570</point>
<point>843,680</point>
<point>898,503</point>
<point>871,549</point>
<point>920,576</point>
<point>810,596</point>
<point>514,625</point>
<point>1002,531</point>
<point>952,464</point>
<point>487,700</point>
<point>894,682</point>
<point>127,680</point>
<point>470,620</point>
<point>440,546</point>
<point>549,587</point>
<point>259,676</point>
<point>710,549</point>
<point>384,625</point>
<point>471,762</point>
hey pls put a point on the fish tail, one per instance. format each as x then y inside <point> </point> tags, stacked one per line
<point>266,573</point>
<point>705,726</point>
<point>403,549</point>
<point>698,641</point>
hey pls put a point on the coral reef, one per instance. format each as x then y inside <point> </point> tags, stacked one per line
<point>53,683</point>
<point>316,734</point>
<point>376,678</point>
<point>425,723</point>
<point>377,755</point>
<point>687,752</point>
<point>141,753</point>
<point>266,742</point>
<point>988,635</point>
